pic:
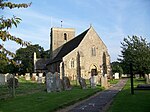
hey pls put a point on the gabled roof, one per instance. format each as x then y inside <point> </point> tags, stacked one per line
<point>68,47</point>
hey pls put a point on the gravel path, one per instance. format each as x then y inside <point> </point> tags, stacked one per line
<point>98,102</point>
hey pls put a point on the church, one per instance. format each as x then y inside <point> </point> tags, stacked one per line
<point>85,54</point>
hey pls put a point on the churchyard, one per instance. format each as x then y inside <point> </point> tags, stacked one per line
<point>32,96</point>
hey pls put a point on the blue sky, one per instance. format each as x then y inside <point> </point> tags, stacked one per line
<point>112,19</point>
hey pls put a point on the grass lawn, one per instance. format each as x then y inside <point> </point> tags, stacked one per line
<point>125,102</point>
<point>40,101</point>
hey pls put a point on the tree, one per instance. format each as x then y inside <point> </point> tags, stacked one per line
<point>45,54</point>
<point>5,25</point>
<point>116,67</point>
<point>135,50</point>
<point>25,56</point>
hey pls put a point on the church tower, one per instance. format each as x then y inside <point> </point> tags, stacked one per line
<point>58,37</point>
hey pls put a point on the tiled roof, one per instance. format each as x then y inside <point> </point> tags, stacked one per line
<point>68,47</point>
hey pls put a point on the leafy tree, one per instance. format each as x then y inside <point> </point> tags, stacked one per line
<point>5,25</point>
<point>25,55</point>
<point>3,67</point>
<point>116,67</point>
<point>135,50</point>
<point>45,54</point>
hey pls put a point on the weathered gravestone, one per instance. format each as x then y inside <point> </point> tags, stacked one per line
<point>66,83</point>
<point>93,81</point>
<point>39,80</point>
<point>50,82</point>
<point>4,78</point>
<point>82,83</point>
<point>27,76</point>
<point>53,82</point>
<point>104,81</point>
<point>147,79</point>
<point>58,81</point>
<point>34,77</point>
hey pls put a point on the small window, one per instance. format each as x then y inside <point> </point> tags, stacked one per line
<point>72,63</point>
<point>65,36</point>
<point>93,51</point>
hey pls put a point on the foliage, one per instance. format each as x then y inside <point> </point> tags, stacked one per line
<point>25,55</point>
<point>3,66</point>
<point>116,67</point>
<point>135,50</point>
<point>45,54</point>
<point>5,25</point>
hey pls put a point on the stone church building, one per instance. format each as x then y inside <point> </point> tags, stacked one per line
<point>85,54</point>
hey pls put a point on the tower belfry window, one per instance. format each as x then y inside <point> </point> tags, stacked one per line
<point>65,36</point>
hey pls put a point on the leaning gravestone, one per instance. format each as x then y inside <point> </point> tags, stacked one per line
<point>82,83</point>
<point>66,83</point>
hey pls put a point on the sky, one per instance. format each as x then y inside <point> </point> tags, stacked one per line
<point>113,20</point>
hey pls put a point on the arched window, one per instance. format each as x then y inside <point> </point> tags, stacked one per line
<point>65,36</point>
<point>93,51</point>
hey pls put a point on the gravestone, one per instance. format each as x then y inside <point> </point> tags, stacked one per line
<point>27,76</point>
<point>34,77</point>
<point>147,79</point>
<point>40,74</point>
<point>66,83</point>
<point>49,82</point>
<point>104,81</point>
<point>58,81</point>
<point>137,76</point>
<point>2,79</point>
<point>82,83</point>
<point>149,76</point>
<point>39,79</point>
<point>93,81</point>
<point>116,75</point>
<point>53,82</point>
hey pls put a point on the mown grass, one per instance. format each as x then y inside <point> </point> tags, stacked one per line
<point>125,102</point>
<point>40,101</point>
